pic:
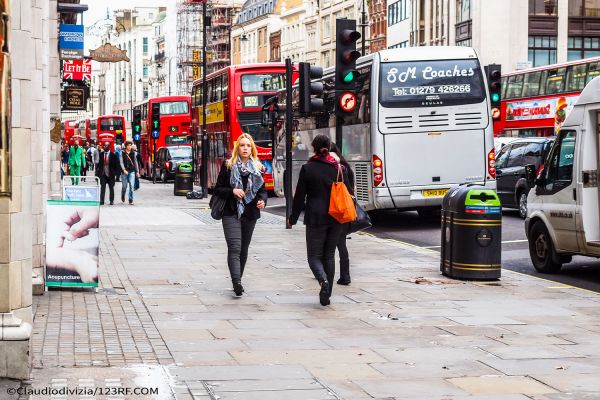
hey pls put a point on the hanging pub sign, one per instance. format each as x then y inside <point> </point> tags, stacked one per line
<point>74,98</point>
<point>77,70</point>
<point>71,42</point>
<point>5,99</point>
<point>109,53</point>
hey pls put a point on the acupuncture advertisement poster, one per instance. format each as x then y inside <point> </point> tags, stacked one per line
<point>72,243</point>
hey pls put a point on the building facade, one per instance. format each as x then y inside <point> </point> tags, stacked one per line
<point>34,171</point>
<point>398,23</point>
<point>293,30</point>
<point>250,36</point>
<point>219,47</point>
<point>127,83</point>
<point>378,25</point>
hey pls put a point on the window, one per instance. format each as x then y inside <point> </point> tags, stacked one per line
<point>261,82</point>
<point>350,12</point>
<point>502,157</point>
<point>145,45</point>
<point>516,154</point>
<point>593,71</point>
<point>463,10</point>
<point>542,50</point>
<point>542,7</point>
<point>174,107</point>
<point>584,8</point>
<point>576,78</point>
<point>514,86</point>
<point>532,154</point>
<point>145,71</point>
<point>531,84</point>
<point>560,165</point>
<point>400,45</point>
<point>555,81</point>
<point>326,28</point>
<point>583,47</point>
<point>398,11</point>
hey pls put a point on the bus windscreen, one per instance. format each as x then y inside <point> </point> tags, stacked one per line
<point>174,107</point>
<point>262,82</point>
<point>431,83</point>
<point>111,124</point>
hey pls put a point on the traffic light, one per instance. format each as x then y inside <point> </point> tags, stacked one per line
<point>155,120</point>
<point>346,74</point>
<point>136,125</point>
<point>494,78</point>
<point>308,88</point>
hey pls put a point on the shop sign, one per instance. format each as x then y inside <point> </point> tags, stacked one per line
<point>109,53</point>
<point>71,42</point>
<point>74,98</point>
<point>77,70</point>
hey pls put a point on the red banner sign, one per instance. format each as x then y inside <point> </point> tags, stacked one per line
<point>77,70</point>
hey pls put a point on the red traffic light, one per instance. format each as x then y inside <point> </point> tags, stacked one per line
<point>348,101</point>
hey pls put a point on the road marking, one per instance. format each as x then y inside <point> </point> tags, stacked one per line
<point>567,286</point>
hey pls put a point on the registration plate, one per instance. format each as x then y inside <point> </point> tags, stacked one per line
<point>435,192</point>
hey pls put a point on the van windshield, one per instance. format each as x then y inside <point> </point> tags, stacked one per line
<point>431,83</point>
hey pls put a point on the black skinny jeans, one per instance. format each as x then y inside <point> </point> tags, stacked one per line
<point>321,241</point>
<point>344,255</point>
<point>238,234</point>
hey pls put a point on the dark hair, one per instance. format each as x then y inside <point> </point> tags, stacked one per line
<point>128,142</point>
<point>321,144</point>
<point>335,149</point>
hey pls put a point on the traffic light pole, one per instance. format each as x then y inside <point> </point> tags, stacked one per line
<point>204,149</point>
<point>289,119</point>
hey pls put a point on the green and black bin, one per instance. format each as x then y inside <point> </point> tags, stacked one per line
<point>471,233</point>
<point>184,181</point>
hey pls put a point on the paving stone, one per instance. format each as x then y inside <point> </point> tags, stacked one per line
<point>501,385</point>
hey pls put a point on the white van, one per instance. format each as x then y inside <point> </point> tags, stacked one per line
<point>563,216</point>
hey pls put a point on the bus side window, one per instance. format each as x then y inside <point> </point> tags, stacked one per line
<point>219,89</point>
<point>555,81</point>
<point>576,78</point>
<point>225,84</point>
<point>504,83</point>
<point>593,71</point>
<point>531,86</point>
<point>515,87</point>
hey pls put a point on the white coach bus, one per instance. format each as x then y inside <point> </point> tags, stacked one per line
<point>421,125</point>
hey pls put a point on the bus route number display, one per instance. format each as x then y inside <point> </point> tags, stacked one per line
<point>431,83</point>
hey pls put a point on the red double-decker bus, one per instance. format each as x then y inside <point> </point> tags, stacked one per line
<point>175,124</point>
<point>70,129</point>
<point>111,128</point>
<point>536,101</point>
<point>234,100</point>
<point>87,129</point>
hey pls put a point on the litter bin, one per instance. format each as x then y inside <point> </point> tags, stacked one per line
<point>471,233</point>
<point>184,182</point>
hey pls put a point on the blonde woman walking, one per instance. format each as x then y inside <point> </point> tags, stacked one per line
<point>241,183</point>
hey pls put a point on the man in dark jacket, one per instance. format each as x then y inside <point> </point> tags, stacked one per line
<point>107,169</point>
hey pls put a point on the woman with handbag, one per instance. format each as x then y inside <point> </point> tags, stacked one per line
<point>241,184</point>
<point>341,244</point>
<point>313,195</point>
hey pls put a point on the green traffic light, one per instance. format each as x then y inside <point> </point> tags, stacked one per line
<point>495,97</point>
<point>137,128</point>
<point>156,124</point>
<point>349,77</point>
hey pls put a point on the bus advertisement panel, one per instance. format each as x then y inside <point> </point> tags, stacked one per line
<point>175,123</point>
<point>536,101</point>
<point>235,98</point>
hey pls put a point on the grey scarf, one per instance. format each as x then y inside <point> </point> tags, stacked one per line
<point>255,182</point>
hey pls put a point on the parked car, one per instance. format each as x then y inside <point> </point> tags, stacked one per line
<point>501,141</point>
<point>511,179</point>
<point>169,158</point>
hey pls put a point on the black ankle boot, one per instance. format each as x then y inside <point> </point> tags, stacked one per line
<point>324,294</point>
<point>238,289</point>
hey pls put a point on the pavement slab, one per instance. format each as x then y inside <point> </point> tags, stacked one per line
<point>165,312</point>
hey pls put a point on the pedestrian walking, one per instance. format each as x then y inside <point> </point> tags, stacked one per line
<point>76,161</point>
<point>241,183</point>
<point>92,156</point>
<point>313,192</point>
<point>341,245</point>
<point>130,169</point>
<point>65,160</point>
<point>118,152</point>
<point>107,168</point>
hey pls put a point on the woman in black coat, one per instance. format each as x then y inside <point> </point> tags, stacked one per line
<point>240,182</point>
<point>313,192</point>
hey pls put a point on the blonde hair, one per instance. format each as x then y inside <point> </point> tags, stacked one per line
<point>236,152</point>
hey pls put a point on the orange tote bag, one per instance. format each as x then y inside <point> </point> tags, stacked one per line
<point>341,204</point>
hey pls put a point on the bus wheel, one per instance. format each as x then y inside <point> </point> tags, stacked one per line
<point>541,250</point>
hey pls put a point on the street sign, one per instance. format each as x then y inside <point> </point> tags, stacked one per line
<point>77,70</point>
<point>109,53</point>
<point>348,101</point>
<point>71,41</point>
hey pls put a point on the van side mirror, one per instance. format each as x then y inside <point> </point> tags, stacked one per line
<point>530,174</point>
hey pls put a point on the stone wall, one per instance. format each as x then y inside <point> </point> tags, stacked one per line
<point>35,99</point>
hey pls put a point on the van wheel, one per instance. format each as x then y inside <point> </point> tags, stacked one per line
<point>523,205</point>
<point>541,250</point>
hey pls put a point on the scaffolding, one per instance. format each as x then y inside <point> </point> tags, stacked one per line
<point>189,44</point>
<point>223,14</point>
